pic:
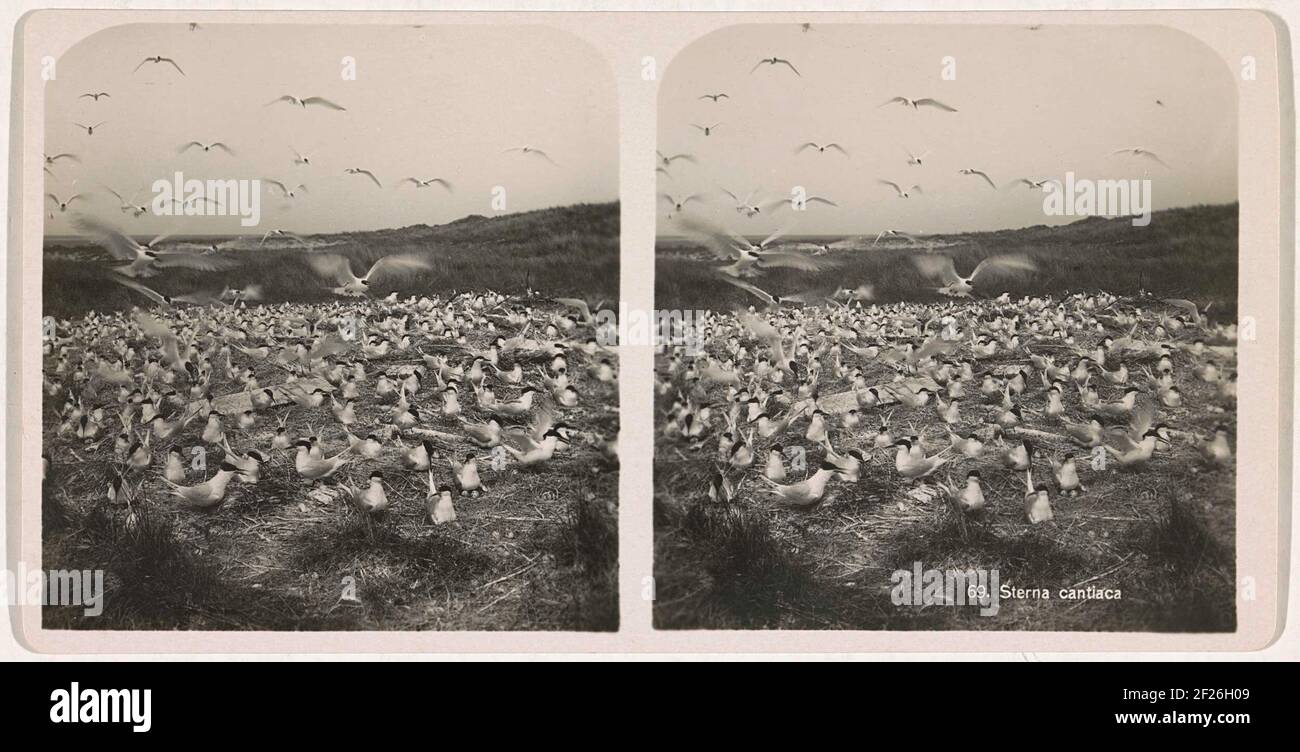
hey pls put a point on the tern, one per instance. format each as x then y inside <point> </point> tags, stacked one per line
<point>426,182</point>
<point>304,101</point>
<point>981,173</point>
<point>901,193</point>
<point>89,129</point>
<point>916,104</point>
<point>94,95</point>
<point>205,147</point>
<point>775,61</point>
<point>339,268</point>
<point>821,148</point>
<point>528,151</point>
<point>935,265</point>
<point>157,60</point>
<point>714,97</point>
<point>367,173</point>
<point>1138,151</point>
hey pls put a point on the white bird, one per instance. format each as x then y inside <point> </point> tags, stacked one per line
<point>527,150</point>
<point>937,265</point>
<point>897,189</point>
<point>1138,151</point>
<point>158,60</point>
<point>205,147</point>
<point>981,173</point>
<point>821,148</point>
<point>775,61</point>
<point>286,190</point>
<point>304,101</point>
<point>918,103</point>
<point>340,269</point>
<point>427,182</point>
<point>362,171</point>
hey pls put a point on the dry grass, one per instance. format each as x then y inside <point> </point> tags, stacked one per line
<point>538,551</point>
<point>1164,535</point>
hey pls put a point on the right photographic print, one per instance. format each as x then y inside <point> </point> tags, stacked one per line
<point>953,330</point>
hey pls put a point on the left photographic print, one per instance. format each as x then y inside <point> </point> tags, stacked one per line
<point>326,331</point>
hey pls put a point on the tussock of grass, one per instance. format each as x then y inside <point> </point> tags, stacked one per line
<point>152,578</point>
<point>737,574</point>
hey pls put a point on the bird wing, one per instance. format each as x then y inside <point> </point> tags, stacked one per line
<point>712,237</point>
<point>987,179</point>
<point>751,289</point>
<point>399,262</point>
<point>757,326</point>
<point>322,101</point>
<point>1187,306</point>
<point>838,148</point>
<point>174,65</point>
<point>131,284</point>
<point>367,173</point>
<point>286,98</point>
<point>118,245</point>
<point>189,260</point>
<point>891,184</point>
<point>787,62</point>
<point>333,266</point>
<point>792,260</point>
<point>577,303</point>
<point>935,103</point>
<point>937,265</point>
<point>188,146</point>
<point>895,100</point>
<point>1008,262</point>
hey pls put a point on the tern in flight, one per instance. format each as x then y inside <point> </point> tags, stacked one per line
<point>95,95</point>
<point>915,159</point>
<point>822,148</point>
<point>286,190</point>
<point>901,193</point>
<point>367,173</point>
<point>916,104</point>
<point>337,267</point>
<point>89,129</point>
<point>128,205</point>
<point>1138,151</point>
<point>774,61</point>
<point>934,265</point>
<point>1038,184</point>
<point>706,129</point>
<point>304,101</point>
<point>715,97</point>
<point>527,150</point>
<point>145,260</point>
<point>205,147</point>
<point>426,183</point>
<point>63,204</point>
<point>158,59</point>
<point>981,173</point>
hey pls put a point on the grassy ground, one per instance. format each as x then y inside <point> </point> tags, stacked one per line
<point>1164,536</point>
<point>538,551</point>
<point>565,251</point>
<point>1188,252</point>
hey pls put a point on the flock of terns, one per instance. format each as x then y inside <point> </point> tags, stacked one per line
<point>425,386</point>
<point>1040,387</point>
<point>803,390</point>
<point>287,189</point>
<point>421,385</point>
<point>730,245</point>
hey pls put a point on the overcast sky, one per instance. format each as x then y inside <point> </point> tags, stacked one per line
<point>434,101</point>
<point>1031,103</point>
